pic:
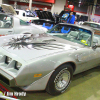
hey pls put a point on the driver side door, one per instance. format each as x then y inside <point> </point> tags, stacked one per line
<point>94,55</point>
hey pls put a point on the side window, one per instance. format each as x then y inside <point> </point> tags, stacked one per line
<point>95,41</point>
<point>5,21</point>
<point>17,12</point>
<point>23,22</point>
<point>23,14</point>
<point>98,26</point>
<point>94,25</point>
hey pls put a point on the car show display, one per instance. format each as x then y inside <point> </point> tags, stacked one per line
<point>10,24</point>
<point>18,13</point>
<point>47,20</point>
<point>52,58</point>
<point>49,49</point>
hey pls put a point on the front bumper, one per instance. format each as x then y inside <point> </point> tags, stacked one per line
<point>6,78</point>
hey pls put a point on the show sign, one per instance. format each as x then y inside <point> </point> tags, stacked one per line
<point>71,7</point>
<point>3,94</point>
<point>48,1</point>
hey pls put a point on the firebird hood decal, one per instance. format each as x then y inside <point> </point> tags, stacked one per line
<point>34,46</point>
<point>29,40</point>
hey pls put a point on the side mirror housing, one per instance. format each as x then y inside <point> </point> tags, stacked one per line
<point>95,46</point>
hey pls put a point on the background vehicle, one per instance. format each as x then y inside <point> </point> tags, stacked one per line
<point>12,25</point>
<point>48,61</point>
<point>47,20</point>
<point>18,13</point>
<point>94,25</point>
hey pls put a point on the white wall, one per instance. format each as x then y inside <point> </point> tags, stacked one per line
<point>58,6</point>
<point>0,1</point>
<point>96,18</point>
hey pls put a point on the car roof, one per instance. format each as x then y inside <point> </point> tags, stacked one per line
<point>6,14</point>
<point>19,10</point>
<point>80,26</point>
<point>92,22</point>
<point>10,15</point>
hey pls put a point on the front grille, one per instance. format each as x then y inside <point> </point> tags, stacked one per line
<point>5,80</point>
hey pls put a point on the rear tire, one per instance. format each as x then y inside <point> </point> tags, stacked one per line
<point>60,80</point>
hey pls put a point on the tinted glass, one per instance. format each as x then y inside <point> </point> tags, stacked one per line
<point>92,25</point>
<point>17,12</point>
<point>72,33</point>
<point>5,21</point>
<point>23,22</point>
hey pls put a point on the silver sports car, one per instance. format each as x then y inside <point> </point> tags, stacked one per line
<point>48,61</point>
<point>12,25</point>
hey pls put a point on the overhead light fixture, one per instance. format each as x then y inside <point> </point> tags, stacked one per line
<point>79,3</point>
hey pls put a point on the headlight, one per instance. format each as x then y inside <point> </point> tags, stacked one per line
<point>8,60</point>
<point>18,65</point>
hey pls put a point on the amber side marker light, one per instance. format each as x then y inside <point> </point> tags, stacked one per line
<point>2,35</point>
<point>37,75</point>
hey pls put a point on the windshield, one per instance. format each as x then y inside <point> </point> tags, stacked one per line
<point>92,25</point>
<point>72,33</point>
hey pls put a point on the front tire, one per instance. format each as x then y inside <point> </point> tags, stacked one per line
<point>60,80</point>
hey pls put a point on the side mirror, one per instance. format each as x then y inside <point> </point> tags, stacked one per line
<point>95,46</point>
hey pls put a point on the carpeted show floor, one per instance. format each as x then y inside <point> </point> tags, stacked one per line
<point>84,86</point>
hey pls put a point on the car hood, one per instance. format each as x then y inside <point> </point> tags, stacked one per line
<point>8,9</point>
<point>28,54</point>
<point>45,15</point>
<point>39,27</point>
<point>28,48</point>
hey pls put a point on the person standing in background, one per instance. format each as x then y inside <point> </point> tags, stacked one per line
<point>27,12</point>
<point>34,12</point>
<point>71,18</point>
<point>45,9</point>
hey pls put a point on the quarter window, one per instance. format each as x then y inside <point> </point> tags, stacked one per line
<point>17,12</point>
<point>5,21</point>
<point>23,14</point>
<point>23,22</point>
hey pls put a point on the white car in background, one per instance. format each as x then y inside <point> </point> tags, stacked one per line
<point>18,13</point>
<point>12,25</point>
<point>23,15</point>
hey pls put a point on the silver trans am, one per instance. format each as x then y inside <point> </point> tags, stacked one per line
<point>10,23</point>
<point>48,61</point>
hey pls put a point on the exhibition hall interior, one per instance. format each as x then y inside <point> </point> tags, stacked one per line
<point>49,49</point>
